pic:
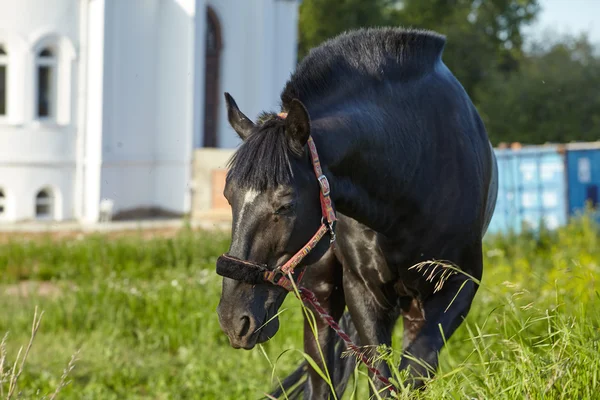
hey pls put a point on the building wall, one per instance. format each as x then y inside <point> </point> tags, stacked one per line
<point>154,72</point>
<point>148,104</point>
<point>130,99</point>
<point>89,147</point>
<point>209,180</point>
<point>34,153</point>
<point>129,102</point>
<point>258,56</point>
<point>175,101</point>
<point>21,194</point>
<point>259,42</point>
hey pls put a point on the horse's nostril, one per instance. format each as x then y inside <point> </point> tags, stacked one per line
<point>245,326</point>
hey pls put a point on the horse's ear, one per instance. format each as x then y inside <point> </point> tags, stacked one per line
<point>238,121</point>
<point>297,125</point>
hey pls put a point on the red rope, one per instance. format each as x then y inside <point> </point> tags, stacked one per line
<point>309,297</point>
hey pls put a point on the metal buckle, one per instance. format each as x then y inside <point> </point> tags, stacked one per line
<point>277,274</point>
<point>330,228</point>
<point>332,232</point>
<point>324,182</point>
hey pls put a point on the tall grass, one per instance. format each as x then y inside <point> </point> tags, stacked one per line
<point>142,315</point>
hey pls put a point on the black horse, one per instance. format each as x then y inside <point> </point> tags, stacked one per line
<point>413,179</point>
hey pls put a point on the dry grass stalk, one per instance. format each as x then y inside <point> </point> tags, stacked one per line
<point>3,374</point>
<point>436,270</point>
<point>14,377</point>
<point>63,379</point>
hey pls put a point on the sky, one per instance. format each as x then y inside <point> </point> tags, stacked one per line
<point>568,17</point>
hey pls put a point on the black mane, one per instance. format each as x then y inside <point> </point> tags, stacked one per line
<point>347,63</point>
<point>263,160</point>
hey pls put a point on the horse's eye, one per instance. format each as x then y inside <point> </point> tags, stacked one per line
<point>286,208</point>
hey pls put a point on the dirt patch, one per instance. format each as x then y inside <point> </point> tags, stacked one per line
<point>146,229</point>
<point>27,288</point>
<point>146,233</point>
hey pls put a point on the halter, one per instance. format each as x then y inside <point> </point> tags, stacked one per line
<point>253,273</point>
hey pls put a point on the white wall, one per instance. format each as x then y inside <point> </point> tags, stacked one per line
<point>129,106</point>
<point>26,26</point>
<point>41,144</point>
<point>21,192</point>
<point>176,72</point>
<point>89,149</point>
<point>142,99</point>
<point>35,154</point>
<point>259,54</point>
<point>148,103</point>
<point>285,54</point>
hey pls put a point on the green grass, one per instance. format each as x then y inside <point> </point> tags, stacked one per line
<point>142,315</point>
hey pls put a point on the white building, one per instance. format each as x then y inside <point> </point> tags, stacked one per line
<point>107,99</point>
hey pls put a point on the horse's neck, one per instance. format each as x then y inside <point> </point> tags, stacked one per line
<point>358,177</point>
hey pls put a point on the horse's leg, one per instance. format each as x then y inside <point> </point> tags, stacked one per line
<point>325,280</point>
<point>344,364</point>
<point>443,311</point>
<point>374,316</point>
<point>343,367</point>
<point>412,320</point>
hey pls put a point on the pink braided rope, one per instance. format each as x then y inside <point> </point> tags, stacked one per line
<point>310,298</point>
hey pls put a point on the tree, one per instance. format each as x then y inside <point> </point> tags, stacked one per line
<point>324,19</point>
<point>549,94</point>
<point>554,96</point>
<point>482,36</point>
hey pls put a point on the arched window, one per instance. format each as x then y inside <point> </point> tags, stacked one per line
<point>3,79</point>
<point>2,202</point>
<point>44,204</point>
<point>46,63</point>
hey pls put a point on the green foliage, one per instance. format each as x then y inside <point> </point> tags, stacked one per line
<point>323,19</point>
<point>548,94</point>
<point>142,314</point>
<point>483,36</point>
<point>552,98</point>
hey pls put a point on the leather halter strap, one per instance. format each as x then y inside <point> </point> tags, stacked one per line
<point>230,266</point>
<point>254,273</point>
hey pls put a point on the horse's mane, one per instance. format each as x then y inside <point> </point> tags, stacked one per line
<point>360,58</point>
<point>339,67</point>
<point>263,159</point>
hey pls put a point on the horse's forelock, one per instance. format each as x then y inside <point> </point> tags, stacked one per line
<point>262,162</point>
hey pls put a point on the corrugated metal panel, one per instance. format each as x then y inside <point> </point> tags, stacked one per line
<point>532,188</point>
<point>583,173</point>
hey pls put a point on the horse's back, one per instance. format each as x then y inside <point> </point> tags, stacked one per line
<point>394,84</point>
<point>456,173</point>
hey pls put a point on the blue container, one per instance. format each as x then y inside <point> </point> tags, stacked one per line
<point>583,166</point>
<point>532,189</point>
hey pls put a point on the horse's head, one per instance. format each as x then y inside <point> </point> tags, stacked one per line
<point>274,197</point>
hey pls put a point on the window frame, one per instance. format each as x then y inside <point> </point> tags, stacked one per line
<point>49,201</point>
<point>4,62</point>
<point>3,203</point>
<point>51,62</point>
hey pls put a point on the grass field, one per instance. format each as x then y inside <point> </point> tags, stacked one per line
<point>140,312</point>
